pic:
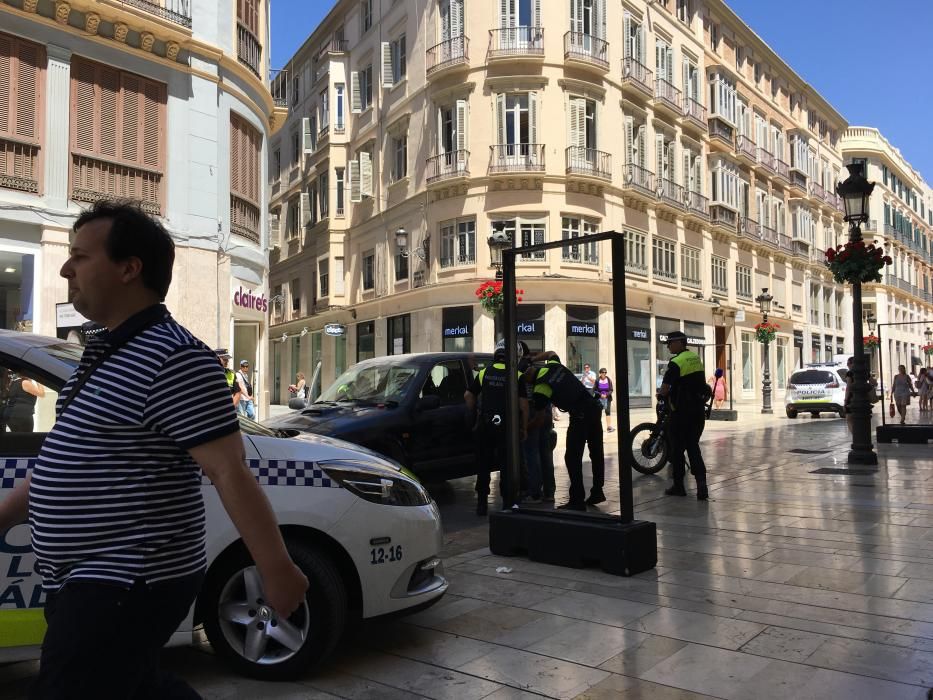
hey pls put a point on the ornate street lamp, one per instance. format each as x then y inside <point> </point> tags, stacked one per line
<point>855,193</point>
<point>498,241</point>
<point>764,305</point>
<point>401,242</point>
<point>872,322</point>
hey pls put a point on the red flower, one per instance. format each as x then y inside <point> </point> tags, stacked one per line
<point>830,253</point>
<point>887,260</point>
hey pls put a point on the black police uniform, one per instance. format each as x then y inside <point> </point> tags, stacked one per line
<point>556,384</point>
<point>687,380</point>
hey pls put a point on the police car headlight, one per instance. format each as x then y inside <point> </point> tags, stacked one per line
<point>375,485</point>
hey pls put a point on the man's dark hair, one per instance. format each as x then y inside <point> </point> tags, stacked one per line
<point>135,234</point>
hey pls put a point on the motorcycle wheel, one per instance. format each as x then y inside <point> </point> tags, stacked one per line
<point>648,448</point>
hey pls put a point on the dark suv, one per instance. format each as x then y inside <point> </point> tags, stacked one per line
<point>407,407</point>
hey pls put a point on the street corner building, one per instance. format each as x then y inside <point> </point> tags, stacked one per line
<point>167,103</point>
<point>416,130</point>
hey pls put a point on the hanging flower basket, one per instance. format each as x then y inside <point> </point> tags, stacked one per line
<point>766,332</point>
<point>492,298</point>
<point>870,342</point>
<point>928,349</point>
<point>856,262</point>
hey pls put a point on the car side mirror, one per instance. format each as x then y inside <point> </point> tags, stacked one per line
<point>429,402</point>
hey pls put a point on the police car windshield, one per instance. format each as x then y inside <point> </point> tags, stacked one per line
<point>372,383</point>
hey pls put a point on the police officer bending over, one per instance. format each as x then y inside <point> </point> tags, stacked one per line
<point>685,388</point>
<point>556,384</point>
<point>490,387</point>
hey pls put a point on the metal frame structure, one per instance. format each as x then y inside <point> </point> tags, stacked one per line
<point>884,415</point>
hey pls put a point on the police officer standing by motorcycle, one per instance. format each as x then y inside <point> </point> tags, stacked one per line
<point>685,389</point>
<point>490,388</point>
<point>554,383</point>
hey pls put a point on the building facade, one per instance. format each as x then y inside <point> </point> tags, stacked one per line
<point>669,121</point>
<point>164,102</point>
<point>901,220</point>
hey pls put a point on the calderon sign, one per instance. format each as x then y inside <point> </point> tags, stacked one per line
<point>247,299</point>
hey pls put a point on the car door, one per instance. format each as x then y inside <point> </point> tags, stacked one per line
<point>438,424</point>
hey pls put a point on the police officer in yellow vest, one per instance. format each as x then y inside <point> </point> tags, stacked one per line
<point>223,357</point>
<point>490,387</point>
<point>684,387</point>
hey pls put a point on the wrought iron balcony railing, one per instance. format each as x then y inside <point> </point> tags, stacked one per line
<point>249,50</point>
<point>93,178</point>
<point>516,41</point>
<point>453,52</point>
<point>638,178</point>
<point>589,161</point>
<point>782,169</point>
<point>586,48</point>
<point>697,204</point>
<point>19,165</point>
<point>671,193</point>
<point>766,159</point>
<point>746,147</point>
<point>516,158</point>
<point>695,111</point>
<point>177,11</point>
<point>448,165</point>
<point>637,74</point>
<point>666,93</point>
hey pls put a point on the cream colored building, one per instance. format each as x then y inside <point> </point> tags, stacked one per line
<point>672,122</point>
<point>902,221</point>
<point>162,101</point>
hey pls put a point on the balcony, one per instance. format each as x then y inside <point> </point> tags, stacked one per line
<point>323,135</point>
<point>639,181</point>
<point>720,289</point>
<point>516,42</point>
<point>785,243</point>
<point>19,165</point>
<point>798,181</point>
<point>278,86</point>
<point>453,53</point>
<point>580,254</point>
<point>870,226</point>
<point>697,206</point>
<point>244,218</point>
<point>745,150</point>
<point>636,268</point>
<point>769,236</point>
<point>93,178</point>
<point>457,260</point>
<point>177,11</point>
<point>587,50</point>
<point>666,96</point>
<point>691,282</point>
<point>505,158</point>
<point>781,170</point>
<point>336,46</point>
<point>448,166</point>
<point>694,114</point>
<point>637,78</point>
<point>819,193</point>
<point>671,195</point>
<point>249,50</point>
<point>723,218</point>
<point>800,248</point>
<point>748,228</point>
<point>766,161</point>
<point>589,162</point>
<point>721,134</point>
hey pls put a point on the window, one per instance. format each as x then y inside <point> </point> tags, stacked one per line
<point>361,175</point>
<point>664,61</point>
<point>21,68</point>
<point>296,82</point>
<point>683,11</point>
<point>366,16</point>
<point>720,277</point>
<point>664,258</point>
<point>690,266</point>
<point>748,354</point>
<point>339,182</point>
<point>368,265</point>
<point>725,181</point>
<point>780,367</point>
<point>583,133</point>
<point>516,119</point>
<point>739,59</point>
<point>633,35</point>
<point>365,340</point>
<point>757,75</point>
<point>399,68</point>
<point>361,89</point>
<point>311,215</point>
<point>245,186</point>
<point>714,37</point>
<point>691,80</point>
<point>324,110</point>
<point>401,266</point>
<point>532,234</point>
<point>723,100</point>
<point>339,106</point>
<point>458,242</point>
<point>323,195</point>
<point>292,221</point>
<point>323,278</point>
<point>743,281</point>
<point>294,289</point>
<point>277,164</point>
<point>118,137</point>
<point>587,253</point>
<point>636,252</point>
<point>399,158</point>
<point>799,154</point>
<point>296,147</point>
<point>398,336</point>
<point>338,276</point>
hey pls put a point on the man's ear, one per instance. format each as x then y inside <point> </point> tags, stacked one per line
<point>132,268</point>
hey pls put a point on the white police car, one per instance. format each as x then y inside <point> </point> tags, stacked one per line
<point>815,389</point>
<point>366,534</point>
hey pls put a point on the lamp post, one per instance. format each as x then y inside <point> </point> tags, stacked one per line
<point>928,334</point>
<point>498,241</point>
<point>855,192</point>
<point>871,321</point>
<point>764,305</point>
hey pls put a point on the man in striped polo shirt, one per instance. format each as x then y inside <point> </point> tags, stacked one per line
<point>114,501</point>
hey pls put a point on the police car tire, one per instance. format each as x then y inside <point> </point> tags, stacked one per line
<point>327,607</point>
<point>791,412</point>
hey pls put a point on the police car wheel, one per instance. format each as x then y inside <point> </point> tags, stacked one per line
<point>791,412</point>
<point>249,634</point>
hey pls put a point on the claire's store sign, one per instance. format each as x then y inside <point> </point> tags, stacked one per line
<point>248,299</point>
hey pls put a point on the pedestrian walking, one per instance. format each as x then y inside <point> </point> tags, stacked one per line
<point>604,394</point>
<point>246,406</point>
<point>114,499</point>
<point>686,391</point>
<point>299,390</point>
<point>923,384</point>
<point>588,378</point>
<point>488,391</point>
<point>223,357</point>
<point>554,383</point>
<point>718,386</point>
<point>901,389</point>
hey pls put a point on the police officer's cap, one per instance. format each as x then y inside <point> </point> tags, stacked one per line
<point>222,353</point>
<point>499,352</point>
<point>676,335</point>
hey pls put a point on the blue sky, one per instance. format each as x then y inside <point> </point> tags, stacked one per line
<point>887,46</point>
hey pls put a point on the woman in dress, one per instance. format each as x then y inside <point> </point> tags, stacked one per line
<point>902,388</point>
<point>719,390</point>
<point>297,390</point>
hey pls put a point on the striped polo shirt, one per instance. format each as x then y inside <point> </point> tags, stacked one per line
<point>115,497</point>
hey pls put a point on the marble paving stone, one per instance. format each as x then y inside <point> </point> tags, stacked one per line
<point>587,643</point>
<point>848,581</point>
<point>780,573</point>
<point>697,627</point>
<point>546,625</point>
<point>636,660</point>
<point>431,646</point>
<point>616,687</point>
<point>539,674</point>
<point>876,660</point>
<point>351,687</point>
<point>917,589</point>
<point>784,644</point>
<point>449,607</point>
<point>500,590</point>
<point>507,693</point>
<point>917,571</point>
<point>709,670</point>
<point>595,608</point>
<point>832,684</point>
<point>490,623</point>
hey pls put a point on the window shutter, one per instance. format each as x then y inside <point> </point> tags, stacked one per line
<point>26,89</point>
<point>536,20</point>
<point>576,16</point>
<point>669,67</point>
<point>687,172</point>
<point>366,174</point>
<point>577,133</point>
<point>533,117</point>
<point>305,209</point>
<point>6,84</point>
<point>110,117</point>
<point>500,117</point>
<point>356,99</point>
<point>130,121</point>
<point>153,124</point>
<point>671,162</point>
<point>456,18</point>
<point>461,127</point>
<point>506,15</point>
<point>627,31</point>
<point>601,18</point>
<point>354,173</point>
<point>659,154</point>
<point>387,80</point>
<point>307,137</point>
<point>629,140</point>
<point>641,146</point>
<point>698,174</point>
<point>236,156</point>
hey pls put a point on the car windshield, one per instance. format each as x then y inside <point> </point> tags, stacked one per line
<point>372,383</point>
<point>812,376</point>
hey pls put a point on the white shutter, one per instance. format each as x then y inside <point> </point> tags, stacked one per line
<point>446,17</point>
<point>456,18</point>
<point>461,126</point>
<point>387,80</point>
<point>687,92</point>
<point>576,16</point>
<point>629,140</point>
<point>627,31</point>
<point>440,130</point>
<point>356,99</point>
<point>601,18</point>
<point>500,118</point>
<point>275,233</point>
<point>354,172</point>
<point>506,13</point>
<point>307,135</point>
<point>305,209</point>
<point>659,155</point>
<point>687,172</point>
<point>577,118</point>
<point>533,117</point>
<point>669,66</point>
<point>698,174</point>
<point>380,271</point>
<point>671,162</point>
<point>642,161</point>
<point>366,174</point>
<point>640,44</point>
<point>536,19</point>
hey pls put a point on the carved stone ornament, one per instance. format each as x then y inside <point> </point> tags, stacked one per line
<point>91,22</point>
<point>120,31</point>
<point>171,50</point>
<point>30,5</point>
<point>146,40</point>
<point>62,10</point>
